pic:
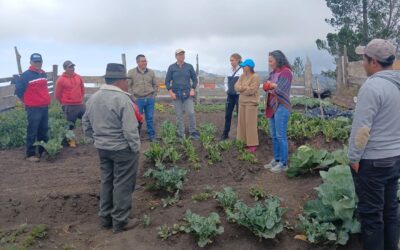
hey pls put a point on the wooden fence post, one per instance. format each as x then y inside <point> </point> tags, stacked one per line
<point>308,78</point>
<point>123,56</point>
<point>18,57</point>
<point>197,100</point>
<point>55,73</point>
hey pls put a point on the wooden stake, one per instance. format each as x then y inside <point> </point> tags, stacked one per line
<point>18,57</point>
<point>320,100</point>
<point>123,56</point>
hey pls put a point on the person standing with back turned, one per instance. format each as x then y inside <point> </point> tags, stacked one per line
<point>374,147</point>
<point>110,120</point>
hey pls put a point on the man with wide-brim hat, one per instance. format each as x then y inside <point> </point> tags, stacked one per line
<point>110,120</point>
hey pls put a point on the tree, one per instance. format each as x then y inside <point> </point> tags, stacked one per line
<point>358,21</point>
<point>298,67</point>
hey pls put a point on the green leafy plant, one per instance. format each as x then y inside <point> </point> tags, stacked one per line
<point>13,125</point>
<point>170,180</point>
<point>168,133</point>
<point>308,102</point>
<point>226,198</point>
<point>247,156</point>
<point>207,193</point>
<point>207,138</point>
<point>257,192</point>
<point>191,153</point>
<point>159,107</point>
<point>52,147</point>
<point>263,219</point>
<point>330,218</point>
<point>209,108</point>
<point>308,159</point>
<point>225,145</point>
<point>170,200</point>
<point>165,231</point>
<point>146,220</point>
<point>204,228</point>
<point>161,154</point>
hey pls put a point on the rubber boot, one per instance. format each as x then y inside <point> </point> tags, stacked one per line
<point>72,143</point>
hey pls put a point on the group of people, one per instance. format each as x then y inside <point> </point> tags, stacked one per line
<point>111,120</point>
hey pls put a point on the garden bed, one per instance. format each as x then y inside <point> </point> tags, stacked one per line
<point>63,194</point>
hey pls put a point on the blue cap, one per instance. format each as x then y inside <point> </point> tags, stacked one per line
<point>36,57</point>
<point>248,62</point>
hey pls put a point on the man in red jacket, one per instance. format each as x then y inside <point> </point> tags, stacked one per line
<point>33,91</point>
<point>70,92</point>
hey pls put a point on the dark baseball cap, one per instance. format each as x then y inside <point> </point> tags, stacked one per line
<point>36,57</point>
<point>67,64</point>
<point>378,49</point>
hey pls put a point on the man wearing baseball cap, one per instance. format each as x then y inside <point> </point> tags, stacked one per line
<point>33,91</point>
<point>70,92</point>
<point>181,82</point>
<point>110,120</point>
<point>374,147</point>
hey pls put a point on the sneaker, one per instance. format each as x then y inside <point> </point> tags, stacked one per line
<point>272,164</point>
<point>251,149</point>
<point>278,168</point>
<point>131,224</point>
<point>195,136</point>
<point>33,159</point>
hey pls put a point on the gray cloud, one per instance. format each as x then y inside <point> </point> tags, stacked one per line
<point>212,28</point>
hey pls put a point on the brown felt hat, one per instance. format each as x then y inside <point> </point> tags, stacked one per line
<point>116,71</point>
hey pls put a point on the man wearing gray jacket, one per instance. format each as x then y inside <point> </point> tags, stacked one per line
<point>374,150</point>
<point>110,120</point>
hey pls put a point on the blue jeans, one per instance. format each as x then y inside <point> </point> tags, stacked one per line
<point>38,126</point>
<point>146,107</point>
<point>278,129</point>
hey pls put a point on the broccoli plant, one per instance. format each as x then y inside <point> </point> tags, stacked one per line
<point>204,228</point>
<point>331,217</point>
<point>264,219</point>
<point>170,180</point>
<point>227,198</point>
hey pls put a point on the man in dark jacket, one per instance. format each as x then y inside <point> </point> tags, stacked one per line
<point>181,82</point>
<point>33,91</point>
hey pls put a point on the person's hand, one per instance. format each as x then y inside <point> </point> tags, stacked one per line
<point>355,166</point>
<point>172,94</point>
<point>192,92</point>
<point>273,85</point>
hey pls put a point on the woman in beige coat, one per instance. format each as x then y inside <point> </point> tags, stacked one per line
<point>248,86</point>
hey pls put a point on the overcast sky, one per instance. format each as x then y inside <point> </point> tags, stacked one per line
<point>93,33</point>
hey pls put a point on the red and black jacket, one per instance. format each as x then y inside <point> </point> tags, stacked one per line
<point>32,88</point>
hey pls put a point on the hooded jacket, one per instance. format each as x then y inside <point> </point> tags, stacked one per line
<point>70,89</point>
<point>375,131</point>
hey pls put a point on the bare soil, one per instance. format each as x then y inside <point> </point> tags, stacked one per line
<point>63,194</point>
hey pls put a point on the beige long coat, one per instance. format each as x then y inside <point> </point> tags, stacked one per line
<point>249,89</point>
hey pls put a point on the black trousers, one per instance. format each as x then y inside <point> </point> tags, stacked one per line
<point>73,113</point>
<point>231,102</point>
<point>376,185</point>
<point>37,130</point>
